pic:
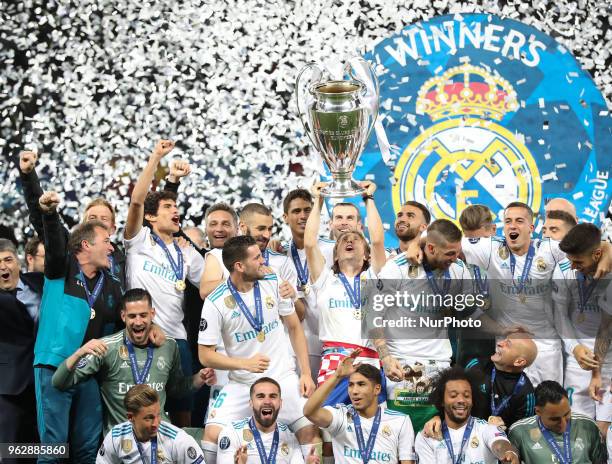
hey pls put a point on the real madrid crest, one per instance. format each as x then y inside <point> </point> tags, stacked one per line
<point>535,434</point>
<point>161,363</point>
<point>503,252</point>
<point>386,431</point>
<point>247,435</point>
<point>123,352</point>
<point>269,302</point>
<point>474,443</point>
<point>126,445</point>
<point>413,271</point>
<point>540,264</point>
<point>229,302</point>
<point>284,449</point>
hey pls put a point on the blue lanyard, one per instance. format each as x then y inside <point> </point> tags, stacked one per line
<point>266,257</point>
<point>354,292</point>
<point>141,451</point>
<point>565,456</point>
<point>301,269</point>
<point>526,268</point>
<point>92,296</point>
<point>481,284</point>
<point>257,321</point>
<point>366,449</point>
<point>432,281</point>
<point>496,410</point>
<point>464,440</point>
<point>584,290</point>
<point>177,267</point>
<point>139,377</point>
<point>263,459</point>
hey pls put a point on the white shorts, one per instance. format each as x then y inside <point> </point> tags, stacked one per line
<point>548,365</point>
<point>232,404</point>
<point>576,382</point>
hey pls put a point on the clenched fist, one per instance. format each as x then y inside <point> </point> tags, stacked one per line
<point>163,147</point>
<point>27,161</point>
<point>48,202</point>
<point>178,169</point>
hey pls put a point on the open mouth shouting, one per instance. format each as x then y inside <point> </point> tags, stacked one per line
<point>349,247</point>
<point>138,332</point>
<point>176,219</point>
<point>513,236</point>
<point>5,276</point>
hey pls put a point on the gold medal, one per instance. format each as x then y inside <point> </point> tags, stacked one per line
<point>247,435</point>
<point>522,298</point>
<point>261,336</point>
<point>306,289</point>
<point>486,304</point>
<point>413,271</point>
<point>230,302</point>
<point>180,285</point>
<point>92,313</point>
<point>357,314</point>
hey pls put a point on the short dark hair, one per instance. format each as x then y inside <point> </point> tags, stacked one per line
<point>254,208</point>
<point>520,204</point>
<point>369,372</point>
<point>549,391</point>
<point>474,217</point>
<point>346,203</point>
<point>422,207</point>
<point>84,231</point>
<point>581,239</point>
<point>7,245</point>
<point>300,193</point>
<point>221,207</point>
<point>153,199</point>
<point>561,216</point>
<point>31,247</point>
<point>235,249</point>
<point>138,397</point>
<point>265,380</point>
<point>135,294</point>
<point>436,397</point>
<point>445,229</point>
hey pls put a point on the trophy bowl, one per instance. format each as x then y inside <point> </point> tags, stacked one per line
<point>338,121</point>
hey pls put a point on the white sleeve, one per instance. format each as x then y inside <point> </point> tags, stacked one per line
<point>406,441</point>
<point>323,277</point>
<point>211,324</point>
<point>390,270</point>
<point>296,452</point>
<point>196,266</point>
<point>555,251</point>
<point>187,450</point>
<point>424,451</point>
<point>561,317</point>
<point>338,418</point>
<point>491,433</point>
<point>143,234</point>
<point>227,444</point>
<point>478,251</point>
<point>287,273</point>
<point>106,453</point>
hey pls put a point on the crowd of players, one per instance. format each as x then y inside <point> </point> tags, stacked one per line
<point>120,350</point>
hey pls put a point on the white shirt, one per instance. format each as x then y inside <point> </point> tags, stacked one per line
<point>477,449</point>
<point>147,267</point>
<point>578,325</point>
<point>173,446</point>
<point>421,342</point>
<point>394,440</point>
<point>339,320</point>
<point>492,255</point>
<point>238,433</point>
<point>240,338</point>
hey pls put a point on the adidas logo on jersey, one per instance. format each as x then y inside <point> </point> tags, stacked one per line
<point>349,428</point>
<point>124,365</point>
<point>235,314</point>
<point>504,265</point>
<point>537,446</point>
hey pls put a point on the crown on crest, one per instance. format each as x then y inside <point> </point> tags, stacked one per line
<point>466,90</point>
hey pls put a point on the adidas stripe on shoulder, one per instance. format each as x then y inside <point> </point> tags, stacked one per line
<point>217,292</point>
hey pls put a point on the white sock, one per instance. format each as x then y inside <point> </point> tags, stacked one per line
<point>210,452</point>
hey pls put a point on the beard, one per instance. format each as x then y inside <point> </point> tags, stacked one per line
<point>407,235</point>
<point>268,420</point>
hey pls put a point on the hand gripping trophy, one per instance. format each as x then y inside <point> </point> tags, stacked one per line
<point>338,117</point>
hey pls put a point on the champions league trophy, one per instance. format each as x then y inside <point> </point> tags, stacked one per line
<point>339,118</point>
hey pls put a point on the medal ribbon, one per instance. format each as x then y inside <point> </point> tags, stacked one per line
<point>564,457</point>
<point>526,268</point>
<point>92,296</point>
<point>496,410</point>
<point>482,284</point>
<point>302,270</point>
<point>354,292</point>
<point>257,321</point>
<point>139,376</point>
<point>263,459</point>
<point>177,267</point>
<point>464,440</point>
<point>266,257</point>
<point>141,451</point>
<point>432,281</point>
<point>366,449</point>
<point>584,293</point>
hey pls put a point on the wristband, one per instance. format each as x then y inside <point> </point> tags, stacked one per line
<point>367,197</point>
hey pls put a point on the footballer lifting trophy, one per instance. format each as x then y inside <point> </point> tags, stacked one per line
<point>338,117</point>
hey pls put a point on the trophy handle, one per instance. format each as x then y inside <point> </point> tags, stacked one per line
<point>350,70</point>
<point>298,90</point>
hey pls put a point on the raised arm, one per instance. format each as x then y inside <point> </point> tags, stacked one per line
<point>314,257</point>
<point>31,189</point>
<point>602,343</point>
<point>376,231</point>
<point>56,246</point>
<point>136,210</point>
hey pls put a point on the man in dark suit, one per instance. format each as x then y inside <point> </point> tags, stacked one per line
<point>19,301</point>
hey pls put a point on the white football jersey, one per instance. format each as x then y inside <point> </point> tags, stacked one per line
<point>174,446</point>
<point>394,440</point>
<point>477,448</point>
<point>339,320</point>
<point>422,342</point>
<point>147,267</point>
<point>491,254</point>
<point>221,315</point>
<point>238,433</point>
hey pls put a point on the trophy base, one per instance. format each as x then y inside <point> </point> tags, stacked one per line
<point>342,188</point>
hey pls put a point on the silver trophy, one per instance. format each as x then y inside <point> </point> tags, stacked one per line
<point>338,118</point>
